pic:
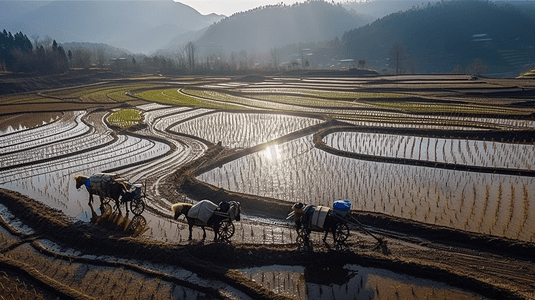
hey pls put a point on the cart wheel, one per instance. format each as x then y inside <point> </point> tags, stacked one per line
<point>342,233</point>
<point>137,206</point>
<point>226,230</point>
<point>137,224</point>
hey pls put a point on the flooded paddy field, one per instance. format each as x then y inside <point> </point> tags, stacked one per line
<point>53,239</point>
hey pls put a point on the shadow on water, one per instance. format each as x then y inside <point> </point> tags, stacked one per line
<point>110,219</point>
<point>320,281</point>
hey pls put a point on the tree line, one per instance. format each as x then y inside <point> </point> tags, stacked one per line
<point>18,54</point>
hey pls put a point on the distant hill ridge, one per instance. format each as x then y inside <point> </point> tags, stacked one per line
<point>439,37</point>
<point>278,25</point>
<point>139,26</point>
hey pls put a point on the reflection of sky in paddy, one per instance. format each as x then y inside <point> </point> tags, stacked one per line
<point>243,130</point>
<point>454,151</point>
<point>359,283</point>
<point>500,205</point>
<point>272,152</point>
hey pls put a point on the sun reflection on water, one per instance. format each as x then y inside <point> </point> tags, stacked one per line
<point>272,152</point>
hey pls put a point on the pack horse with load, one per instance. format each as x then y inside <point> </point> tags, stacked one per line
<point>309,218</point>
<point>111,186</point>
<point>206,213</point>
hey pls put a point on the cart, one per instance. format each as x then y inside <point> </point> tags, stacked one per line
<point>226,227</point>
<point>133,199</point>
<point>338,219</point>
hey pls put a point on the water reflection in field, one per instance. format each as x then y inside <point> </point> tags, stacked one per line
<point>452,151</point>
<point>350,282</point>
<point>500,205</point>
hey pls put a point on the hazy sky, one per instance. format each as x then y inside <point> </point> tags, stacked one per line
<point>228,7</point>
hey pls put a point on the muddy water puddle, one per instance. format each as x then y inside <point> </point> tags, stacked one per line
<point>350,282</point>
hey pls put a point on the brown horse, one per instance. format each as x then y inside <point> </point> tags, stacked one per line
<point>214,221</point>
<point>112,188</point>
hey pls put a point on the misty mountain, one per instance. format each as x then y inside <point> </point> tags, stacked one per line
<point>274,26</point>
<point>139,26</point>
<point>380,8</point>
<point>439,37</point>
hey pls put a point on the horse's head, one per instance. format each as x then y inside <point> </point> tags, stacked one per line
<point>80,180</point>
<point>180,208</point>
<point>298,209</point>
<point>234,210</point>
<point>123,186</point>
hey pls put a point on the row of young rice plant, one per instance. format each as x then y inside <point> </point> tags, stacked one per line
<point>350,282</point>
<point>68,125</point>
<point>56,149</point>
<point>365,115</point>
<point>447,122</point>
<point>125,118</point>
<point>425,107</point>
<point>452,151</point>
<point>176,97</point>
<point>243,130</point>
<point>309,101</point>
<point>263,104</point>
<point>152,106</point>
<point>52,181</point>
<point>101,277</point>
<point>433,125</point>
<point>343,87</point>
<point>150,116</point>
<point>228,98</point>
<point>313,91</point>
<point>98,93</point>
<point>63,144</point>
<point>169,118</point>
<point>295,171</point>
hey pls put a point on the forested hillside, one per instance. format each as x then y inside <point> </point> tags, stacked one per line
<point>275,26</point>
<point>448,36</point>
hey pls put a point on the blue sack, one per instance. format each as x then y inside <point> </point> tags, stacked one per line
<point>343,205</point>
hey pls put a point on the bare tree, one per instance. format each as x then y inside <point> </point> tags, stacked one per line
<point>190,49</point>
<point>397,55</point>
<point>82,58</point>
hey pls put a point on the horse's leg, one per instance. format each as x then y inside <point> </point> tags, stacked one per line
<point>216,230</point>
<point>298,225</point>
<point>333,230</point>
<point>190,223</point>
<point>325,236</point>
<point>101,198</point>
<point>307,236</point>
<point>203,232</point>
<point>118,204</point>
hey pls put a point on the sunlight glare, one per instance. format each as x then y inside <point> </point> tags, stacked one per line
<point>272,152</point>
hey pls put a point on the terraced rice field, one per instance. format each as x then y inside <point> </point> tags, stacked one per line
<point>393,154</point>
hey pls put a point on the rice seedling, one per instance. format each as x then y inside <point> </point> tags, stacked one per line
<point>125,118</point>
